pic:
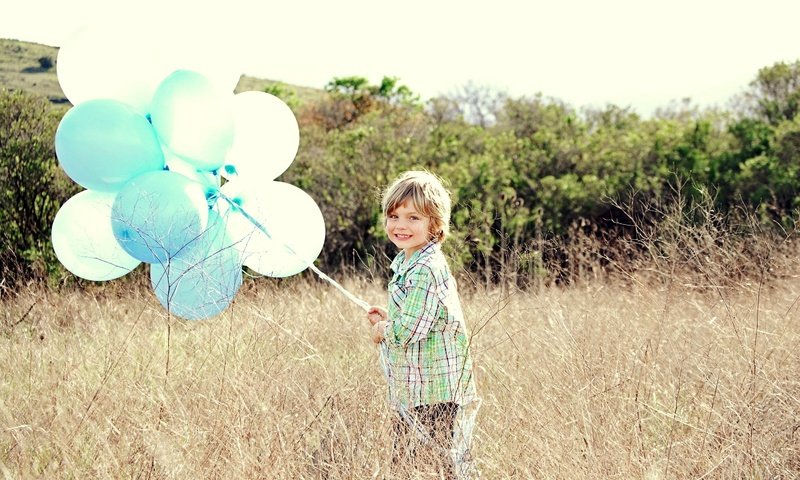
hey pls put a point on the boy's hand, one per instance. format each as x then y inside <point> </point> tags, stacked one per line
<point>377,331</point>
<point>376,314</point>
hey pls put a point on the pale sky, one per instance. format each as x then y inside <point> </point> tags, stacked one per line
<point>636,53</point>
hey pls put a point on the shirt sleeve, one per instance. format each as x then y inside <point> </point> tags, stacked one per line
<point>418,313</point>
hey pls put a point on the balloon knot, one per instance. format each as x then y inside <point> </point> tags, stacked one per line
<point>212,195</point>
<point>235,203</point>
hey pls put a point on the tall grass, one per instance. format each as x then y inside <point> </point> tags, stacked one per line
<point>679,367</point>
<point>596,381</point>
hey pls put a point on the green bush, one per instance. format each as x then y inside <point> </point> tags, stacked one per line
<point>46,62</point>
<point>537,196</point>
<point>32,186</point>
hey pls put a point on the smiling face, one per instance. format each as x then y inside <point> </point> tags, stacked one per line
<point>407,228</point>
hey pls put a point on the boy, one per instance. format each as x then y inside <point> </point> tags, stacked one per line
<point>422,333</point>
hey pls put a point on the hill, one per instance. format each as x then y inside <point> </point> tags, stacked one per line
<point>32,67</point>
<point>20,69</point>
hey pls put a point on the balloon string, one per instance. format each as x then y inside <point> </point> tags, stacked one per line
<point>358,301</point>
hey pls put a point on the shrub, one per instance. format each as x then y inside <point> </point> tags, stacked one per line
<point>32,186</point>
<point>46,62</point>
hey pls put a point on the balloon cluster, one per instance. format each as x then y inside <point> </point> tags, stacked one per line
<point>179,173</point>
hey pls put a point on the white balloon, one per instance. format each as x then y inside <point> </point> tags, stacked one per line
<point>194,118</point>
<point>295,228</point>
<point>266,137</point>
<point>83,239</point>
<point>115,61</point>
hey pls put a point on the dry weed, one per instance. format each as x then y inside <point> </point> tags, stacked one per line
<point>602,380</point>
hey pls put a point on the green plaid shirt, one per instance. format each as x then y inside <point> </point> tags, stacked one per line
<point>426,338</point>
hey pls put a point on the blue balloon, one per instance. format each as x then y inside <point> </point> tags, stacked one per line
<point>194,118</point>
<point>200,281</point>
<point>158,214</point>
<point>103,143</point>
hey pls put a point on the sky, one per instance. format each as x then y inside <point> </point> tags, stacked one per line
<point>640,54</point>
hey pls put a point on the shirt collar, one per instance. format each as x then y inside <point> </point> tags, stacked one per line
<point>400,265</point>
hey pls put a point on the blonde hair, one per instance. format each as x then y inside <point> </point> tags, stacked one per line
<point>428,195</point>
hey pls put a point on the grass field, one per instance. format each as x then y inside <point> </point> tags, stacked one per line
<point>604,380</point>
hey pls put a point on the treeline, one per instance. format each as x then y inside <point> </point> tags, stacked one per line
<point>541,190</point>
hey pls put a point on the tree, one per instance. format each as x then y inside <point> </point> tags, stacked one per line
<point>353,97</point>
<point>479,104</point>
<point>443,109</point>
<point>775,92</point>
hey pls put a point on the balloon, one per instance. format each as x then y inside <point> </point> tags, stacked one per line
<point>101,144</point>
<point>91,253</point>
<point>201,280</point>
<point>292,219</point>
<point>194,118</point>
<point>157,214</point>
<point>266,136</point>
<point>116,61</point>
<point>153,124</point>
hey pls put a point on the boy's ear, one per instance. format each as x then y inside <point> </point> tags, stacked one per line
<point>435,233</point>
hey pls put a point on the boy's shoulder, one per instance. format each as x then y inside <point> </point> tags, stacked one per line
<point>433,261</point>
<point>433,270</point>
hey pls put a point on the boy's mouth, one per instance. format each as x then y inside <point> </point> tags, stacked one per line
<point>401,236</point>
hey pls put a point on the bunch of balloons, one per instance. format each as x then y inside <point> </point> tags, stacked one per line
<point>179,173</point>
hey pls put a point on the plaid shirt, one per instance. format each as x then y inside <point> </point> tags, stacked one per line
<point>426,337</point>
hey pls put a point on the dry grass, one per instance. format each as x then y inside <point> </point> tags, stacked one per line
<point>596,381</point>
